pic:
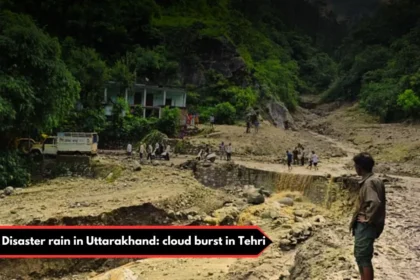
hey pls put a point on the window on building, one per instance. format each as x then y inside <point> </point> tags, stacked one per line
<point>138,98</point>
<point>149,99</point>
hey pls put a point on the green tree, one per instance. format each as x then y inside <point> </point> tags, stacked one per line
<point>225,113</point>
<point>409,102</point>
<point>36,88</point>
<point>89,69</point>
<point>242,98</point>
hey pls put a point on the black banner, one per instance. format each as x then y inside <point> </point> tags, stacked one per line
<point>131,242</point>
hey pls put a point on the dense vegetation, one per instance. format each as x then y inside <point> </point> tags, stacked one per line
<point>230,55</point>
<point>183,43</point>
<point>379,63</point>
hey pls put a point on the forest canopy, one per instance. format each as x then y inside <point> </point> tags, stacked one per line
<point>55,53</point>
<point>230,56</point>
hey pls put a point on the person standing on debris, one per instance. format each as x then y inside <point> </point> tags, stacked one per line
<point>257,126</point>
<point>302,157</point>
<point>248,125</point>
<point>161,148</point>
<point>156,151</point>
<point>222,151</point>
<point>184,131</point>
<point>314,161</point>
<point>142,151</point>
<point>289,160</point>
<point>149,152</point>
<point>286,125</point>
<point>368,220</point>
<point>212,120</point>
<point>129,149</point>
<point>257,122</point>
<point>167,152</point>
<point>229,152</point>
<point>295,156</point>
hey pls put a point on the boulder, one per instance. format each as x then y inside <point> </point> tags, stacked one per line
<point>8,191</point>
<point>286,201</point>
<point>256,198</point>
<point>270,214</point>
<point>136,166</point>
<point>298,229</point>
<point>264,192</point>
<point>280,114</point>
<point>285,245</point>
<point>210,220</point>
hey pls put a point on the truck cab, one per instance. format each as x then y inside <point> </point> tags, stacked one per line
<point>47,147</point>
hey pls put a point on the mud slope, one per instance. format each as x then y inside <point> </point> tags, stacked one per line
<point>152,196</point>
<point>395,146</point>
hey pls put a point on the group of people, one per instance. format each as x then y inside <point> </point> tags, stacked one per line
<point>225,151</point>
<point>150,153</point>
<point>299,156</point>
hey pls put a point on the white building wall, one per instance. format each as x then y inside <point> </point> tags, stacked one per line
<point>108,110</point>
<point>177,99</point>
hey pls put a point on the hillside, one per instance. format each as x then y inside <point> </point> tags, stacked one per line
<point>376,64</point>
<point>230,55</point>
<point>223,50</point>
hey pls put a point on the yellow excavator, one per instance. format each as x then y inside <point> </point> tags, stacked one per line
<point>25,144</point>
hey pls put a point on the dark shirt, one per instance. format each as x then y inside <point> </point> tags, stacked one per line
<point>289,156</point>
<point>371,202</point>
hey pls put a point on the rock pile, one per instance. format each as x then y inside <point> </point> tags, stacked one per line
<point>297,234</point>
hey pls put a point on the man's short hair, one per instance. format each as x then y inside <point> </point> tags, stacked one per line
<point>365,161</point>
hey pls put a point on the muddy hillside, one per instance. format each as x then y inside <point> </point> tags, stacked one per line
<point>304,211</point>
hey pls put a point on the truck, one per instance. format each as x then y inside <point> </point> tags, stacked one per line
<point>76,143</point>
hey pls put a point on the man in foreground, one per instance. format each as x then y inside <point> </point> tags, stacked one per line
<point>369,218</point>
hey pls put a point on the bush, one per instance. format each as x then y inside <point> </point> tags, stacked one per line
<point>137,128</point>
<point>409,102</point>
<point>14,169</point>
<point>243,98</point>
<point>169,122</point>
<point>380,99</point>
<point>225,113</point>
<point>205,113</point>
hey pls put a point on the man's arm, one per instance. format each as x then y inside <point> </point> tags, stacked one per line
<point>372,201</point>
